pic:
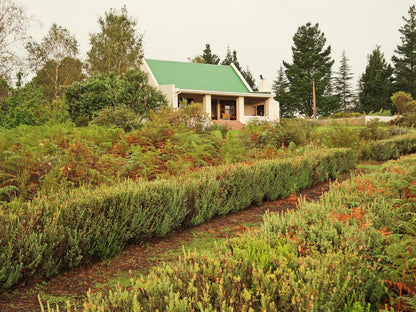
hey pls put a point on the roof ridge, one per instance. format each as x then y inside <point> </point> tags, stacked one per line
<point>184,62</point>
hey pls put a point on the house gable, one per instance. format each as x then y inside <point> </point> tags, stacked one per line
<point>195,76</point>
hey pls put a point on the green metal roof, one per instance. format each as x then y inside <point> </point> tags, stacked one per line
<point>195,76</point>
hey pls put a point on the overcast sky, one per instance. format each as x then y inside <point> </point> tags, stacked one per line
<point>260,30</point>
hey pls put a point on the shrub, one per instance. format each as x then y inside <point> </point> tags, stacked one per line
<point>351,251</point>
<point>120,117</point>
<point>403,102</point>
<point>393,148</point>
<point>87,98</point>
<point>64,229</point>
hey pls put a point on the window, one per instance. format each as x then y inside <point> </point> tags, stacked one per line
<point>260,110</point>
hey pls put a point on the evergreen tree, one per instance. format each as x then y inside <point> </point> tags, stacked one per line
<point>311,62</point>
<point>405,60</point>
<point>118,47</point>
<point>376,83</point>
<point>208,57</point>
<point>231,58</point>
<point>235,61</point>
<point>342,84</point>
<point>228,57</point>
<point>249,78</point>
<point>281,89</point>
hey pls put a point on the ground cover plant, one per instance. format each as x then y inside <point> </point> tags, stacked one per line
<point>64,229</point>
<point>41,159</point>
<point>354,250</point>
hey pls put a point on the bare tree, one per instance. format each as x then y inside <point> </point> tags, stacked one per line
<point>13,30</point>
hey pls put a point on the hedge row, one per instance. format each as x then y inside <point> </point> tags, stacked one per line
<point>393,148</point>
<point>61,231</point>
<point>354,251</point>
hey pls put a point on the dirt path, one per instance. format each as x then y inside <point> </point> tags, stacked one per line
<point>75,283</point>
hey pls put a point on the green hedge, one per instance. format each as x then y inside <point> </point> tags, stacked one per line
<point>353,251</point>
<point>61,231</point>
<point>393,148</point>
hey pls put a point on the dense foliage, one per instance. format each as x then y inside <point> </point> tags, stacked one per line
<point>354,250</point>
<point>376,83</point>
<point>56,52</point>
<point>117,47</point>
<point>86,98</point>
<point>405,58</point>
<point>60,156</point>
<point>311,62</point>
<point>64,229</point>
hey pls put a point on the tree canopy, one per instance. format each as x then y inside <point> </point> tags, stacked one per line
<point>86,98</point>
<point>47,59</point>
<point>311,61</point>
<point>405,58</point>
<point>118,47</point>
<point>376,83</point>
<point>208,57</point>
<point>343,84</point>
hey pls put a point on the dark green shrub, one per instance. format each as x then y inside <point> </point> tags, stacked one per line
<point>393,148</point>
<point>88,97</point>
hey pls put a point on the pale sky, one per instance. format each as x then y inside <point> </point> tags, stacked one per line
<point>260,30</point>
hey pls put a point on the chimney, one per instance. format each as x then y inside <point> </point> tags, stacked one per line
<point>263,85</point>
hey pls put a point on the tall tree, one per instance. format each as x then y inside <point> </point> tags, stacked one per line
<point>311,62</point>
<point>118,47</point>
<point>13,30</point>
<point>343,84</point>
<point>405,58</point>
<point>281,89</point>
<point>69,70</point>
<point>249,78</point>
<point>208,57</point>
<point>376,83</point>
<point>231,58</point>
<point>228,59</point>
<point>48,56</point>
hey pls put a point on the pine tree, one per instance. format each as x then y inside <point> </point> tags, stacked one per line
<point>231,58</point>
<point>208,57</point>
<point>228,57</point>
<point>281,89</point>
<point>376,83</point>
<point>405,60</point>
<point>342,84</point>
<point>311,62</point>
<point>249,78</point>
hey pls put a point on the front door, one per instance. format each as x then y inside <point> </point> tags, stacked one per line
<point>228,110</point>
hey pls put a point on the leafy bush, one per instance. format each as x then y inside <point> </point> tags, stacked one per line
<point>403,102</point>
<point>393,148</point>
<point>64,229</point>
<point>88,97</point>
<point>120,117</point>
<point>27,106</point>
<point>278,134</point>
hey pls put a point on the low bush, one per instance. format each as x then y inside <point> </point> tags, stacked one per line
<point>64,229</point>
<point>393,148</point>
<point>354,250</point>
